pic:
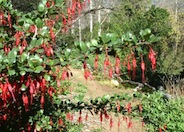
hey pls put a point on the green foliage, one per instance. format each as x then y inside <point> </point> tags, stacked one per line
<point>159,112</point>
<point>172,63</point>
<point>80,88</point>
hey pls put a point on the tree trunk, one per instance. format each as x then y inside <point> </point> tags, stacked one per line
<point>91,18</point>
<point>99,22</point>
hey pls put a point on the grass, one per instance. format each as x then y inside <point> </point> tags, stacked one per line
<point>97,130</point>
<point>80,88</point>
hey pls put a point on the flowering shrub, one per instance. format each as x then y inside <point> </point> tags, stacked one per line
<point>32,69</point>
<point>29,77</point>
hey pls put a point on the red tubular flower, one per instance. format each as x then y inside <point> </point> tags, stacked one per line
<point>6,49</point>
<point>58,83</point>
<point>48,4</point>
<point>87,74</point>
<point>111,123</point>
<point>10,89</point>
<point>101,116</point>
<point>96,62</point>
<point>86,117</point>
<point>9,20</point>
<point>118,61</point>
<point>64,75</point>
<point>53,3</point>
<point>84,64</point>
<point>80,116</point>
<point>4,117</point>
<point>117,65</point>
<point>31,91</point>
<point>152,58</point>
<point>106,114</point>
<point>79,7</point>
<point>24,43</point>
<point>52,35</point>
<point>4,93</point>
<point>140,108</point>
<point>42,101</point>
<point>119,123</point>
<point>143,69</point>
<point>21,49</point>
<point>111,72</point>
<point>60,122</point>
<point>43,85</point>
<point>165,127</point>
<point>129,108</point>
<point>25,102</point>
<point>17,38</point>
<point>2,21</point>
<point>134,65</point>
<point>129,68</point>
<point>50,92</point>
<point>74,5</point>
<point>51,50</point>
<point>68,116</point>
<point>118,106</point>
<point>130,123</point>
<point>160,129</point>
<point>106,63</point>
<point>80,119</point>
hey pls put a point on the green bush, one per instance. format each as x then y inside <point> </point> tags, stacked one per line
<point>158,112</point>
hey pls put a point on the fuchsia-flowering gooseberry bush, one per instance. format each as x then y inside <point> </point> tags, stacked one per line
<point>28,76</point>
<point>29,61</point>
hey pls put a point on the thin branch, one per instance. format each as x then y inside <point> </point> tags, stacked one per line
<point>139,85</point>
<point>83,14</point>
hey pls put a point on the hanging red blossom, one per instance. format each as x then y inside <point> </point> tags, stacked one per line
<point>143,69</point>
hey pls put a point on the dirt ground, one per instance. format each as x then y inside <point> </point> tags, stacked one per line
<point>98,89</point>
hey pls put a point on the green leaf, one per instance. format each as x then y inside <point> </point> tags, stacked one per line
<point>47,77</point>
<point>145,32</point>
<point>24,56</point>
<point>39,23</point>
<point>38,69</point>
<point>105,38</point>
<point>12,55</point>
<point>67,52</point>
<point>1,45</point>
<point>38,128</point>
<point>94,42</point>
<point>39,41</point>
<point>26,26</point>
<point>44,31</point>
<point>23,87</point>
<point>41,7</point>
<point>35,61</point>
<point>88,44</point>
<point>83,47</point>
<point>1,58</point>
<point>11,72</point>
<point>44,1</point>
<point>59,2</point>
<point>29,21</point>
<point>32,43</point>
<point>153,39</point>
<point>139,49</point>
<point>40,50</point>
<point>22,73</point>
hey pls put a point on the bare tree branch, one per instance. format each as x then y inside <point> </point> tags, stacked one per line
<point>84,14</point>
